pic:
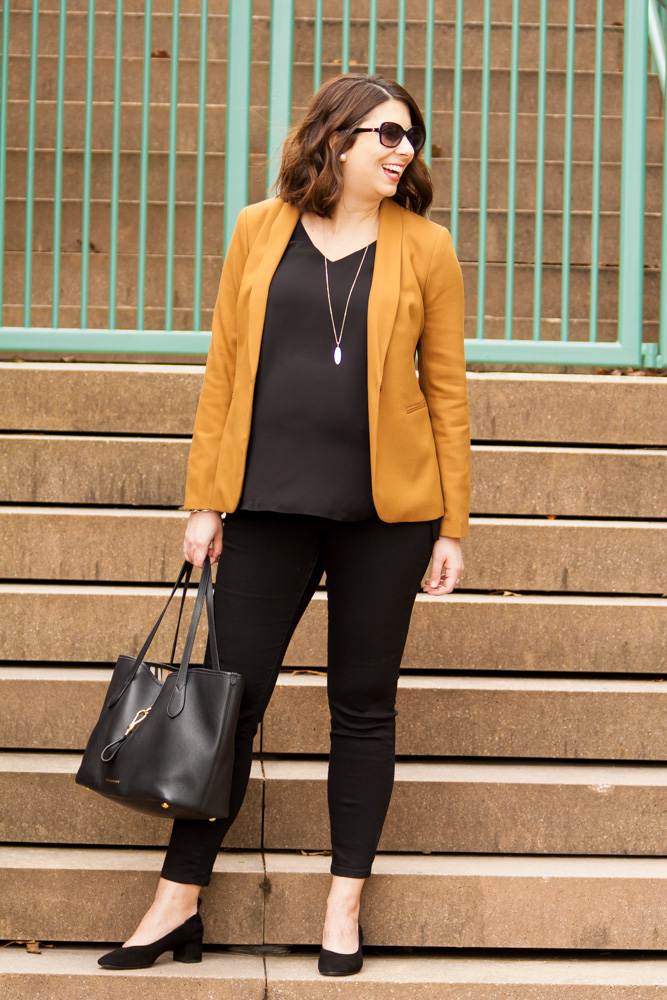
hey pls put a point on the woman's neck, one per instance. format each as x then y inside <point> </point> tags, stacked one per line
<point>346,219</point>
<point>347,237</point>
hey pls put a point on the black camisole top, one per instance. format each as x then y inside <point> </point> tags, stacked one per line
<point>309,449</point>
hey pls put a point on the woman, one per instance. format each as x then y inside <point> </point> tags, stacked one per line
<point>325,452</point>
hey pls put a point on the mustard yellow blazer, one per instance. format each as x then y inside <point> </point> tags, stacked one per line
<point>419,426</point>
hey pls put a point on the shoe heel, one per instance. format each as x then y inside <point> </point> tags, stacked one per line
<point>190,952</point>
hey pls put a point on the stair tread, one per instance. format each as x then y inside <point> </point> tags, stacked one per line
<point>527,772</point>
<point>484,969</point>
<point>482,771</point>
<point>253,862</point>
<point>109,858</point>
<point>81,960</point>
<point>102,675</point>
<point>581,600</point>
<point>56,510</point>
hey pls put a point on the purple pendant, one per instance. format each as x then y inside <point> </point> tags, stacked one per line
<point>337,354</point>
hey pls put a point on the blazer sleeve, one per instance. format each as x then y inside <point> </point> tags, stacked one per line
<point>442,379</point>
<point>216,391</point>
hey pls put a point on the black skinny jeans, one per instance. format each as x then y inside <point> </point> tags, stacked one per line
<point>270,566</point>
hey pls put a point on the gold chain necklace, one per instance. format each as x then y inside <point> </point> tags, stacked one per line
<point>338,354</point>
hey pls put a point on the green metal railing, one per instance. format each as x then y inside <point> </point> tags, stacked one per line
<point>504,233</point>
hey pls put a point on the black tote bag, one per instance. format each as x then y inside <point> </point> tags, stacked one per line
<point>167,747</point>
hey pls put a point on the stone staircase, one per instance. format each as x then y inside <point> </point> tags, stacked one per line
<point>523,856</point>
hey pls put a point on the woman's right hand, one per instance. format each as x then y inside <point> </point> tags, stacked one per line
<point>203,536</point>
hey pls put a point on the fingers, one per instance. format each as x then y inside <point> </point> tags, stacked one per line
<point>445,585</point>
<point>215,549</point>
<point>445,573</point>
<point>437,563</point>
<point>199,545</point>
<point>449,574</point>
<point>197,555</point>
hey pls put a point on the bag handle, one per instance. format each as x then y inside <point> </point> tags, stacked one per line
<point>177,699</point>
<point>180,614</point>
<point>178,623</point>
<point>204,593</point>
<point>185,572</point>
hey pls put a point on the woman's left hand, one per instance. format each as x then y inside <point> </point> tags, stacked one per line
<point>446,566</point>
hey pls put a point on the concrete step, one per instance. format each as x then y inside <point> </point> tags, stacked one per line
<point>50,808</point>
<point>444,31</point>
<point>606,322</point>
<point>302,90</point>
<point>186,180</point>
<point>55,708</point>
<point>518,554</point>
<point>496,216</point>
<point>157,399</point>
<point>494,807</point>
<point>436,807</point>
<point>455,901</point>
<point>73,972</point>
<point>506,479</point>
<point>96,624</point>
<point>453,715</point>
<point>91,894</point>
<point>468,237</point>
<point>495,327</point>
<point>502,9</point>
<point>606,332</point>
<point>440,134</point>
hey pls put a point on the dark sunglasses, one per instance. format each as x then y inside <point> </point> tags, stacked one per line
<point>391,134</point>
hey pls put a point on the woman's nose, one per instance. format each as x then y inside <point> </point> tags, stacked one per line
<point>406,147</point>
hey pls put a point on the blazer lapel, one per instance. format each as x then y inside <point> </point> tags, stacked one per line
<point>263,259</point>
<point>385,288</point>
<point>268,248</point>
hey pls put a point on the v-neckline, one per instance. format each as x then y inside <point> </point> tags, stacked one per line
<point>329,260</point>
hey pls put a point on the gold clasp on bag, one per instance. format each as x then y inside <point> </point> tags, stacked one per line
<point>139,717</point>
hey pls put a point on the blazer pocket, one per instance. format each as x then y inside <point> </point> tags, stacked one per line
<point>416,406</point>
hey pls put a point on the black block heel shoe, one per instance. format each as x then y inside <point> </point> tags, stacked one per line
<point>335,963</point>
<point>185,941</point>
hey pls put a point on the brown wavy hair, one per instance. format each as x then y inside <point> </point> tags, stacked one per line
<point>310,175</point>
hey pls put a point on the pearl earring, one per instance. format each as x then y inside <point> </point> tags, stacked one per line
<point>343,156</point>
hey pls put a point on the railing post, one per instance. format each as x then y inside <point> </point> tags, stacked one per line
<point>280,84</point>
<point>656,27</point>
<point>4,76</point>
<point>633,167</point>
<point>655,355</point>
<point>237,131</point>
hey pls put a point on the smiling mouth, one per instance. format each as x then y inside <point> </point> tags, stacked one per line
<point>393,175</point>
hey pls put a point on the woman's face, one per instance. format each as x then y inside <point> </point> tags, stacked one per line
<point>364,169</point>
